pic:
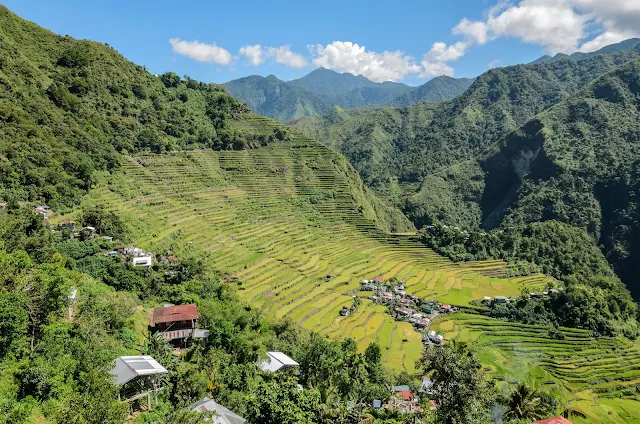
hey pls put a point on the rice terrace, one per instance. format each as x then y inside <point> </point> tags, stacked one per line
<point>278,220</point>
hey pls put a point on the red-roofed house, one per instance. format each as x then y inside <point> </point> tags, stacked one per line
<point>379,279</point>
<point>177,322</point>
<point>554,420</point>
<point>405,395</point>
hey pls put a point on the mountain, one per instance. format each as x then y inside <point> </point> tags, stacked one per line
<point>315,93</point>
<point>438,89</point>
<point>576,163</point>
<point>268,233</point>
<point>395,148</point>
<point>331,83</point>
<point>622,46</point>
<point>277,99</point>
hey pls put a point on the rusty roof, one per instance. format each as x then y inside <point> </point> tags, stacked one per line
<point>174,313</point>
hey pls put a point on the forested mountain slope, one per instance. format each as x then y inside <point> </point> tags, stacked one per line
<point>315,93</point>
<point>70,108</point>
<point>625,45</point>
<point>497,103</point>
<point>577,162</point>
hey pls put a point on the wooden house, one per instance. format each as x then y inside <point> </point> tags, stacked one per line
<point>177,322</point>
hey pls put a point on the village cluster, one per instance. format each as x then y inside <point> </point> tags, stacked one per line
<point>403,306</point>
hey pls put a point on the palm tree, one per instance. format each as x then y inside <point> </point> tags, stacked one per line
<point>524,403</point>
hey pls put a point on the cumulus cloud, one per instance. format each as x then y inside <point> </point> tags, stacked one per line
<point>435,61</point>
<point>202,52</point>
<point>555,24</point>
<point>285,56</point>
<point>345,56</point>
<point>477,32</point>
<point>560,26</point>
<point>253,54</point>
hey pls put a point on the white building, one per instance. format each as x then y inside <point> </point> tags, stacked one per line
<point>276,361</point>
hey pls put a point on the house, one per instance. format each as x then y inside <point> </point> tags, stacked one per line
<point>402,388</point>
<point>145,261</point>
<point>536,295</point>
<point>221,415</point>
<point>500,299</point>
<point>554,420</point>
<point>67,225</point>
<point>137,376</point>
<point>41,209</point>
<point>276,361</point>
<point>404,312</point>
<point>135,252</point>
<point>3,206</point>
<point>177,322</point>
<point>378,279</point>
<point>111,254</point>
<point>404,395</point>
<point>120,248</point>
<point>422,324</point>
<point>446,308</point>
<point>108,239</point>
<point>428,309</point>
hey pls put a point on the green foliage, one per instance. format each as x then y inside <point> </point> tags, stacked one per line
<point>283,403</point>
<point>525,403</point>
<point>320,90</point>
<point>460,387</point>
<point>594,298</point>
<point>69,107</point>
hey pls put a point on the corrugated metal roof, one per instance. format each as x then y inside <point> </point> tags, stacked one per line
<point>129,367</point>
<point>174,313</point>
<point>402,388</point>
<point>223,415</point>
<point>276,361</point>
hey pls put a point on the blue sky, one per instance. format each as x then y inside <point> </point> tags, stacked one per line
<point>408,41</point>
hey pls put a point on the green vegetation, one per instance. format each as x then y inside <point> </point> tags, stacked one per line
<point>596,378</point>
<point>258,216</point>
<point>315,93</point>
<point>497,103</point>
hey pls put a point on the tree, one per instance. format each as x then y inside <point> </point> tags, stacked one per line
<point>459,385</point>
<point>282,402</point>
<point>524,402</point>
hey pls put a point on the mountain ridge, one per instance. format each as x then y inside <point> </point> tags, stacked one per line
<point>315,93</point>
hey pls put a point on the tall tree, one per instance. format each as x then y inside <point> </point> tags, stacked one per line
<point>460,387</point>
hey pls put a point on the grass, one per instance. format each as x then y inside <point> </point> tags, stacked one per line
<point>282,217</point>
<point>598,377</point>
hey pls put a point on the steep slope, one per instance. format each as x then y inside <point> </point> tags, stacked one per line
<point>287,223</point>
<point>315,93</point>
<point>577,163</point>
<point>498,102</point>
<point>69,107</point>
<point>277,99</point>
<point>331,83</point>
<point>438,89</point>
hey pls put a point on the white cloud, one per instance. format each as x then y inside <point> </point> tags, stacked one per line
<point>477,32</point>
<point>285,56</point>
<point>436,69</point>
<point>435,61</point>
<point>554,24</point>
<point>202,52</point>
<point>494,64</point>
<point>345,56</point>
<point>253,53</point>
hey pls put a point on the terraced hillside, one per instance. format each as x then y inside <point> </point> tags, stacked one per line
<point>282,218</point>
<point>598,377</point>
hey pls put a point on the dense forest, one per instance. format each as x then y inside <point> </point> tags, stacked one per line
<point>72,110</point>
<point>315,93</point>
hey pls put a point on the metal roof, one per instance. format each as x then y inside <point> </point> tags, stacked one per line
<point>276,361</point>
<point>174,313</point>
<point>128,368</point>
<point>402,388</point>
<point>223,415</point>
